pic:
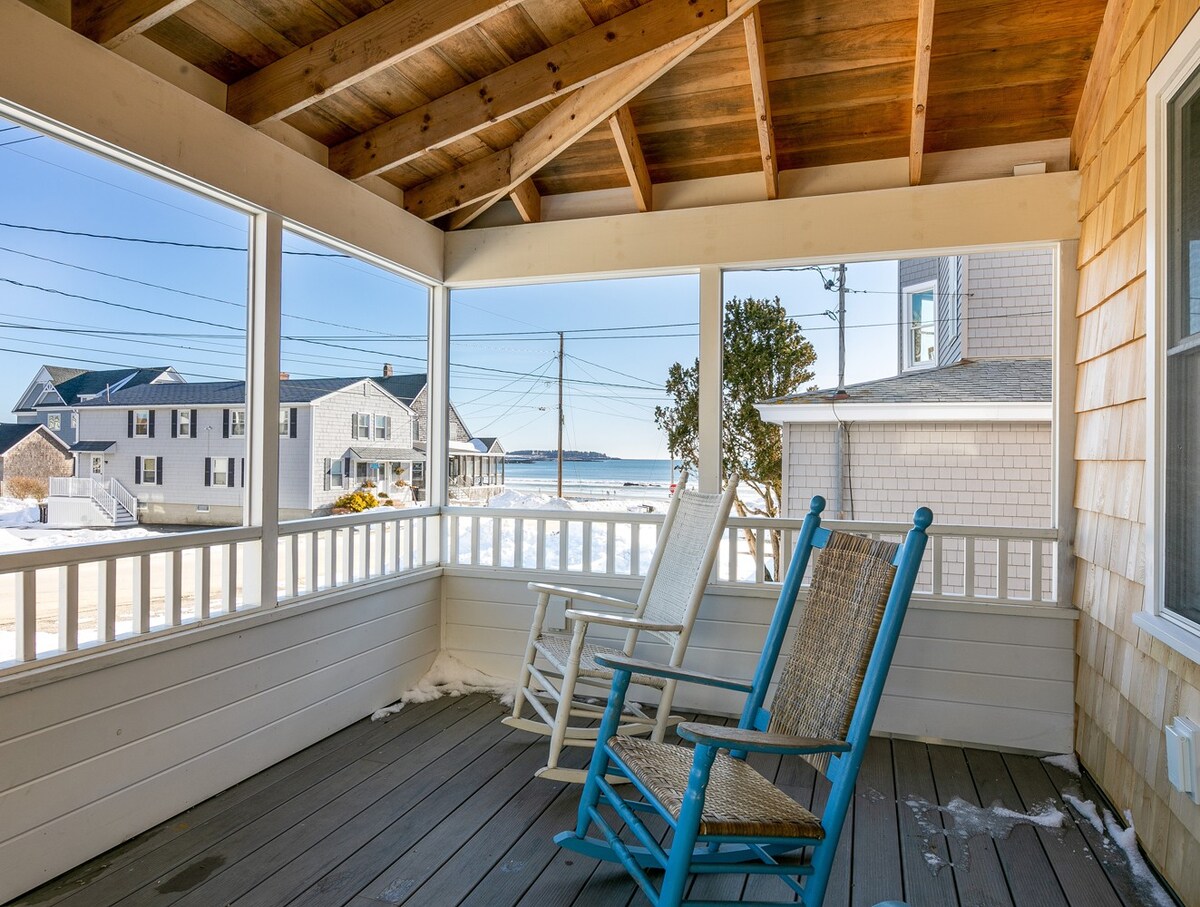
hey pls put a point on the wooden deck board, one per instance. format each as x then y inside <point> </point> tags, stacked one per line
<point>438,805</point>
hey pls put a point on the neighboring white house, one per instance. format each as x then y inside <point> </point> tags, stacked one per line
<point>55,391</point>
<point>966,425</point>
<point>174,452</point>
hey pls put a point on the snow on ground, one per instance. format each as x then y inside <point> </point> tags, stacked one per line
<point>995,821</point>
<point>1067,762</point>
<point>450,677</point>
<point>21,531</point>
<point>1126,838</point>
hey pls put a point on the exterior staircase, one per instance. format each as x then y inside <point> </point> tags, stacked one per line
<point>112,502</point>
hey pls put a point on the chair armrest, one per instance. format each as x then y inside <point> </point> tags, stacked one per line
<point>594,597</point>
<point>619,620</point>
<point>747,740</point>
<point>654,669</point>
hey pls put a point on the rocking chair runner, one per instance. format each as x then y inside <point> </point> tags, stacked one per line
<point>666,608</point>
<point>723,815</point>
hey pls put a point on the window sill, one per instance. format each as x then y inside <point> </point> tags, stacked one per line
<point>1183,641</point>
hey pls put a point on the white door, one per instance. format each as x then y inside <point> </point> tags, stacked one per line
<point>97,466</point>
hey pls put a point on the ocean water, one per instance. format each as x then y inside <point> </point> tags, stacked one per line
<point>590,480</point>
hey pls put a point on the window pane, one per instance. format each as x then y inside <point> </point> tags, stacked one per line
<point>1185,213</point>
<point>924,327</point>
<point>1183,485</point>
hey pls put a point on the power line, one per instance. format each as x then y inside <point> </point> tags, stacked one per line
<point>153,242</point>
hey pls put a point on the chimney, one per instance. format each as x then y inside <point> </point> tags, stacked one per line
<point>284,376</point>
<point>387,370</point>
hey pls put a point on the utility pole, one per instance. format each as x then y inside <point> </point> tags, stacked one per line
<point>841,386</point>
<point>560,411</point>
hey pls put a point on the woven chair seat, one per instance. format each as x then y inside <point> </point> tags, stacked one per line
<point>557,651</point>
<point>739,801</point>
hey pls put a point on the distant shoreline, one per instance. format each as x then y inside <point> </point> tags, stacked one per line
<point>549,456</point>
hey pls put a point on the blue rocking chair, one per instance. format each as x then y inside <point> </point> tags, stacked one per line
<point>724,817</point>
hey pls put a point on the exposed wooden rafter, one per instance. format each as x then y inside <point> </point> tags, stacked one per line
<point>632,159</point>
<point>113,22</point>
<point>756,51</point>
<point>529,203</point>
<point>527,83</point>
<point>352,53</point>
<point>920,93</point>
<point>481,183</point>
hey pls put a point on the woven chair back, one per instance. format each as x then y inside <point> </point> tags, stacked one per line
<point>685,546</point>
<point>835,634</point>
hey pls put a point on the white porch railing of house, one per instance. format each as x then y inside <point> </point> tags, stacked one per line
<point>987,565</point>
<point>67,599</point>
<point>104,493</point>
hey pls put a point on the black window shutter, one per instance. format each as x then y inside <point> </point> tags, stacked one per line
<point>354,425</point>
<point>229,475</point>
<point>328,468</point>
<point>131,423</point>
<point>174,423</point>
<point>158,473</point>
<point>137,470</point>
<point>207,471</point>
<point>292,419</point>
<point>225,423</point>
<point>152,423</point>
<point>346,472</point>
<point>194,423</point>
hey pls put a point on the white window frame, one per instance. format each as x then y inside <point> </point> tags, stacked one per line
<point>237,423</point>
<point>379,425</point>
<point>183,423</point>
<point>285,421</point>
<point>364,430</point>
<point>223,472</point>
<point>153,480</point>
<point>139,423</point>
<point>1168,78</point>
<point>908,293</point>
<point>54,421</point>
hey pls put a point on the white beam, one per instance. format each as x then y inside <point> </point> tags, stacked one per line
<point>437,466</point>
<point>859,226</point>
<point>712,311</point>
<point>1066,331</point>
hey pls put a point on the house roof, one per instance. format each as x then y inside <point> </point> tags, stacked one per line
<point>60,373</point>
<point>91,446</point>
<point>73,384</point>
<point>385,453</point>
<point>968,381</point>
<point>217,393</point>
<point>403,387</point>
<point>11,435</point>
<point>684,85</point>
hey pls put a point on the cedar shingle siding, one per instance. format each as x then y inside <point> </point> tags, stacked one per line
<point>36,457</point>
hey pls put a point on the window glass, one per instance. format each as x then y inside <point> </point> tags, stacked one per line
<point>285,421</point>
<point>184,424</point>
<point>237,423</point>
<point>149,470</point>
<point>922,327</point>
<point>220,471</point>
<point>381,426</point>
<point>54,422</point>
<point>1182,410</point>
<point>364,425</point>
<point>141,423</point>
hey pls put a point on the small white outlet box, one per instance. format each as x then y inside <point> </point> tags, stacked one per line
<point>1183,766</point>
<point>1030,168</point>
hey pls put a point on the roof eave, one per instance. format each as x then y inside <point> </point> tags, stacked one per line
<point>957,411</point>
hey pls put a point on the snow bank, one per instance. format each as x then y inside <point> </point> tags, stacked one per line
<point>17,512</point>
<point>450,677</point>
<point>1126,839</point>
<point>1067,762</point>
<point>516,500</point>
<point>1087,809</point>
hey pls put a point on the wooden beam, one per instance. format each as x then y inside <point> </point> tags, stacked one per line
<point>113,22</point>
<point>524,85</point>
<point>756,51</point>
<point>529,203</point>
<point>632,158</point>
<point>920,94</point>
<point>352,53</point>
<point>576,116</point>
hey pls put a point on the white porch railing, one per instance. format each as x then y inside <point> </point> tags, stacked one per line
<point>105,493</point>
<point>55,601</point>
<point>981,564</point>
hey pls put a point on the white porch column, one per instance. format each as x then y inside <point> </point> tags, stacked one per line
<point>1066,291</point>
<point>262,405</point>
<point>711,329</point>
<point>438,447</point>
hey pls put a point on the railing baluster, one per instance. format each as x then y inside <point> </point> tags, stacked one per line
<point>141,594</point>
<point>635,549</point>
<point>474,528</point>
<point>969,566</point>
<point>731,535</point>
<point>1002,569</point>
<point>539,557</point>
<point>1035,570</point>
<point>291,584</point>
<point>496,524</point>
<point>518,543</point>
<point>68,607</point>
<point>563,544</point>
<point>203,582</point>
<point>587,546</point>
<point>229,583</point>
<point>412,543</point>
<point>610,548</point>
<point>397,547</point>
<point>173,588</point>
<point>760,556</point>
<point>25,612</point>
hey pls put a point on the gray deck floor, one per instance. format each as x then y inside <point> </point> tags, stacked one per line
<point>438,806</point>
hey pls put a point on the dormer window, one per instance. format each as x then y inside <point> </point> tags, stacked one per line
<point>920,326</point>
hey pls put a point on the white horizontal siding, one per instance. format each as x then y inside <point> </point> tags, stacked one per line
<point>99,756</point>
<point>953,662</point>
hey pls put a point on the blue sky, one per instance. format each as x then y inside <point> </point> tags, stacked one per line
<point>178,300</point>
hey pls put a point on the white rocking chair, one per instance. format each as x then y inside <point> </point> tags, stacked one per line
<point>666,608</point>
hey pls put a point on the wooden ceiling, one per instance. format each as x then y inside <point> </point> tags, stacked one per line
<point>462,103</point>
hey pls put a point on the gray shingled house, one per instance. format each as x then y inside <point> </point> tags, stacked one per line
<point>966,424</point>
<point>31,451</point>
